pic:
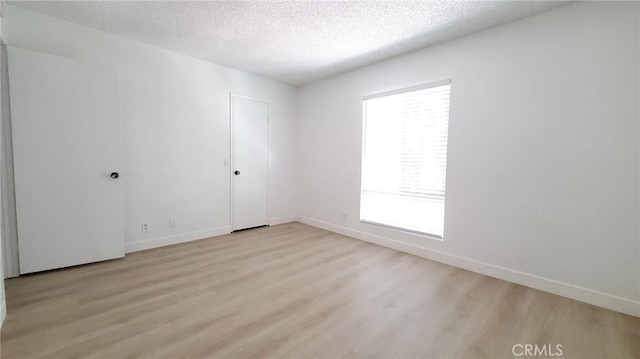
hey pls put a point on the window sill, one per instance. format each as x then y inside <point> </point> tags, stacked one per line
<point>404,230</point>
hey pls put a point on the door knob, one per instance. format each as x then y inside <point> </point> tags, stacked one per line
<point>115,175</point>
<point>236,173</point>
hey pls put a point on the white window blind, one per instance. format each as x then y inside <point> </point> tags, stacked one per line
<point>404,159</point>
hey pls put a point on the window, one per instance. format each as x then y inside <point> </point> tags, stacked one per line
<point>404,157</point>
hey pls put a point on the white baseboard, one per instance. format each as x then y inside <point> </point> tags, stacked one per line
<point>3,311</point>
<point>605,300</point>
<point>178,238</point>
<point>192,236</point>
<point>281,220</point>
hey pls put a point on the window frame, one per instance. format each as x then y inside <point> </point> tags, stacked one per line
<point>363,114</point>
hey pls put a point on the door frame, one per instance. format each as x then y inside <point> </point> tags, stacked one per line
<point>232,96</point>
<point>9,225</point>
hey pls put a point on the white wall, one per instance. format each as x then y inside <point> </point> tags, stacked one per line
<point>175,126</point>
<point>542,177</point>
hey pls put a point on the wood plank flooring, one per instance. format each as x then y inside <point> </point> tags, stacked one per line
<point>295,291</point>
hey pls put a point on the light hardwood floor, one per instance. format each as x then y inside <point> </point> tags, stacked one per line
<point>295,291</point>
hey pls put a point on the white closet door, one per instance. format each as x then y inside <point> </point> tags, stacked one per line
<point>250,120</point>
<point>66,145</point>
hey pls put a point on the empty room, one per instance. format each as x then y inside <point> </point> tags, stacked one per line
<point>320,179</point>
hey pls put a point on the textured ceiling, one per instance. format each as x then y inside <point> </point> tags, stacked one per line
<point>292,42</point>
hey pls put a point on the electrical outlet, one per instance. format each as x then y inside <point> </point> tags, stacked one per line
<point>144,226</point>
<point>172,223</point>
<point>344,217</point>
